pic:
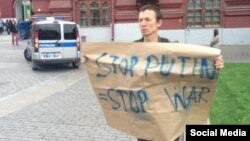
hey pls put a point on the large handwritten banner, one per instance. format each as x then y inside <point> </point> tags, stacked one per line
<point>152,90</point>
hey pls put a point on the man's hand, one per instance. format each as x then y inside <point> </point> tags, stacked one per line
<point>219,63</point>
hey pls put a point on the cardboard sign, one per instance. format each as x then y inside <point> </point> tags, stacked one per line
<point>152,90</point>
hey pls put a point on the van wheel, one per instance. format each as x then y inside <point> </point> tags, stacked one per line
<point>75,65</point>
<point>34,66</point>
<point>26,55</point>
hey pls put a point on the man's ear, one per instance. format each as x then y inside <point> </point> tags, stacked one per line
<point>159,23</point>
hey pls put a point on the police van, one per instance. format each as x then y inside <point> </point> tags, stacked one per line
<point>53,41</point>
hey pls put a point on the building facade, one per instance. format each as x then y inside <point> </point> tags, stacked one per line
<point>186,21</point>
<point>15,9</point>
<point>62,8</point>
<point>6,9</point>
<point>189,21</point>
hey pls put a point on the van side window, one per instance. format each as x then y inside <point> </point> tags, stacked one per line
<point>49,32</point>
<point>70,31</point>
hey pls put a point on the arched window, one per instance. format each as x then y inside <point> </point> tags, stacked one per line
<point>94,14</point>
<point>83,18</point>
<point>105,13</point>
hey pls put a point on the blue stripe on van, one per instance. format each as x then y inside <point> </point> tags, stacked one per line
<point>48,45</point>
<point>68,44</point>
<point>45,45</point>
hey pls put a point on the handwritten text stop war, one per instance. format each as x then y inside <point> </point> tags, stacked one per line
<point>135,101</point>
<point>164,65</point>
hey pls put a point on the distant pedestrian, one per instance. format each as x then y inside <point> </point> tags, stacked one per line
<point>7,25</point>
<point>215,41</point>
<point>14,32</point>
<point>1,25</point>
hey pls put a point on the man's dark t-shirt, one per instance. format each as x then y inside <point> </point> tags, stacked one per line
<point>164,40</point>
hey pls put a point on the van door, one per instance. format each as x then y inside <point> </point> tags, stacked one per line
<point>69,44</point>
<point>49,39</point>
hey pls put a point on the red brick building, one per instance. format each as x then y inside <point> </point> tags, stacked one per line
<point>177,14</point>
<point>63,8</point>
<point>188,21</point>
<point>15,9</point>
<point>6,9</point>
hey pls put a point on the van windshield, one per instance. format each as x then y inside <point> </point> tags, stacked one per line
<point>70,31</point>
<point>49,32</point>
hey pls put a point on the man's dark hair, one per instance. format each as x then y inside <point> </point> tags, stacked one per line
<point>154,8</point>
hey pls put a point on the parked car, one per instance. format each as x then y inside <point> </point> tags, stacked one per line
<point>53,41</point>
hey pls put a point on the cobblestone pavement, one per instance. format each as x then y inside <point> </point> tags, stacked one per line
<point>70,115</point>
<point>57,103</point>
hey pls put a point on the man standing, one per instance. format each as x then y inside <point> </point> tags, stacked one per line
<point>150,19</point>
<point>7,25</point>
<point>1,26</point>
<point>215,41</point>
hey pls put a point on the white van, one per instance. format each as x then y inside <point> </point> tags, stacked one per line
<point>53,41</point>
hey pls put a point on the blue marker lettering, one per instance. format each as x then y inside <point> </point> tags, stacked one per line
<point>143,98</point>
<point>164,62</point>
<point>148,66</point>
<point>124,66</point>
<point>114,63</point>
<point>102,66</point>
<point>183,62</point>
<point>132,99</point>
<point>117,106</point>
<point>204,69</point>
<point>122,93</point>
<point>134,61</point>
<point>204,90</point>
<point>195,63</point>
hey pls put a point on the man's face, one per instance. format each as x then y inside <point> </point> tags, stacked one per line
<point>148,23</point>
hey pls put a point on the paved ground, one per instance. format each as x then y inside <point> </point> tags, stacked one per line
<point>58,103</point>
<point>236,53</point>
